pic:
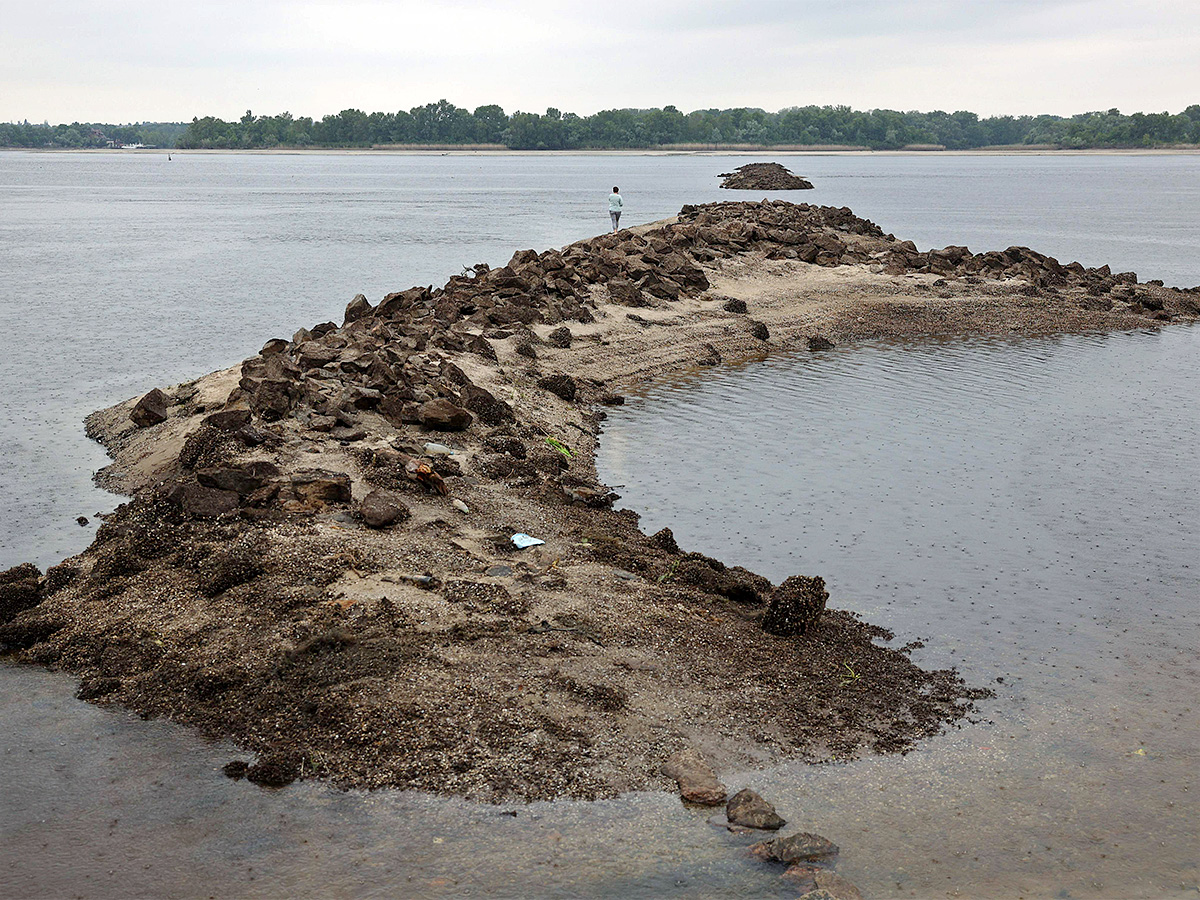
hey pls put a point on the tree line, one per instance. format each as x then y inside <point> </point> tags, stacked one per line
<point>443,124</point>
<point>82,136</point>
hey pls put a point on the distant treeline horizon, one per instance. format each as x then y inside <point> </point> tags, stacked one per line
<point>443,124</point>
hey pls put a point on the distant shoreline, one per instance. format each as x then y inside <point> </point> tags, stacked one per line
<point>725,151</point>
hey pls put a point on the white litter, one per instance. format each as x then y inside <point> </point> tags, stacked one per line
<point>521,541</point>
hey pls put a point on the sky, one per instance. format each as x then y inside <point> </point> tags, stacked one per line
<point>121,61</point>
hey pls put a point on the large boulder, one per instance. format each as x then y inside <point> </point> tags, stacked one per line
<point>150,410</point>
<point>357,308</point>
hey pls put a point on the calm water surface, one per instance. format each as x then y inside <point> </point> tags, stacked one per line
<point>1027,509</point>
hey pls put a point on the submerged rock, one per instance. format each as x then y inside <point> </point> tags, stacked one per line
<point>749,809</point>
<point>799,847</point>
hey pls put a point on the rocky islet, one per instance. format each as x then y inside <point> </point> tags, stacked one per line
<point>295,571</point>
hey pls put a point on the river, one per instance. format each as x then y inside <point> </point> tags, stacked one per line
<point>1025,508</point>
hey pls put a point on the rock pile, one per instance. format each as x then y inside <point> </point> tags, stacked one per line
<point>764,177</point>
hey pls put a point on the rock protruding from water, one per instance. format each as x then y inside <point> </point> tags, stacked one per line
<point>764,177</point>
<point>796,848</point>
<point>748,809</point>
<point>697,781</point>
<point>795,606</point>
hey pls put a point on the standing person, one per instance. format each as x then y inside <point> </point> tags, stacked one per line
<point>614,207</point>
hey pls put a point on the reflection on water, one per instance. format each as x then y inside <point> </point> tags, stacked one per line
<point>1026,508</point>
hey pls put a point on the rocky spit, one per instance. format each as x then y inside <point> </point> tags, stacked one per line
<point>320,558</point>
<point>764,177</point>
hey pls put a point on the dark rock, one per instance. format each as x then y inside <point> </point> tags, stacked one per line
<point>243,478</point>
<point>227,419</point>
<point>749,809</point>
<point>150,410</point>
<point>816,342</point>
<point>795,606</point>
<point>273,346</point>
<point>709,356</point>
<point>201,502</point>
<point>613,400</point>
<point>525,348</point>
<point>624,291</point>
<point>19,590</point>
<point>697,781</point>
<point>58,577</point>
<point>224,569</point>
<point>560,385</point>
<point>664,539</point>
<point>317,486</point>
<point>734,305</point>
<point>442,415</point>
<point>799,847</point>
<point>559,337</point>
<point>81,521</point>
<point>490,409</point>
<point>236,769</point>
<point>760,331</point>
<point>275,770</point>
<point>357,308</point>
<point>380,509</point>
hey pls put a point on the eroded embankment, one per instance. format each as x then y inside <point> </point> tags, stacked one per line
<point>301,571</point>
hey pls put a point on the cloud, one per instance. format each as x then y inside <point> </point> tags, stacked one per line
<point>135,59</point>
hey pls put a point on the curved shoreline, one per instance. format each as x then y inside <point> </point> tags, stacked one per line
<point>255,604</point>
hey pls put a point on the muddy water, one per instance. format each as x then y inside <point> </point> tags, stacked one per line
<point>1029,509</point>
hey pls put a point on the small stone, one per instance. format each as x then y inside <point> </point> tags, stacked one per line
<point>559,337</point>
<point>696,779</point>
<point>81,520</point>
<point>816,342</point>
<point>357,309</point>
<point>747,808</point>
<point>760,331</point>
<point>499,571</point>
<point>227,419</point>
<point>379,509</point>
<point>835,884</point>
<point>734,305</point>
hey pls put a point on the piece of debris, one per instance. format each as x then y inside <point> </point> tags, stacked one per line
<point>521,541</point>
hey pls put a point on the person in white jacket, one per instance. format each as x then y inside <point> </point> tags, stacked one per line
<point>615,203</point>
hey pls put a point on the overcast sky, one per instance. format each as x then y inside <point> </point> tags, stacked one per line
<point>163,60</point>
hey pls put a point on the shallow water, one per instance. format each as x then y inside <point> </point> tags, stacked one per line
<point>1066,548</point>
<point>1026,508</point>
